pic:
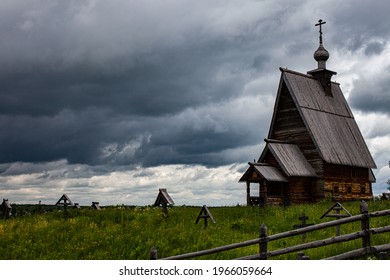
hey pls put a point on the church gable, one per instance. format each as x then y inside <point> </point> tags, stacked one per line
<point>308,93</point>
<point>322,126</point>
<point>286,118</point>
<point>288,125</point>
<point>329,121</point>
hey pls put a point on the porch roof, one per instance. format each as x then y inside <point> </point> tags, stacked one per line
<point>258,171</point>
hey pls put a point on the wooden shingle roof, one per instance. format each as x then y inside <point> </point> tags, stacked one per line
<point>264,171</point>
<point>329,121</point>
<point>290,159</point>
<point>308,93</point>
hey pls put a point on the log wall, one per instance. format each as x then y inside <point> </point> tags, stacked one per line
<point>344,183</point>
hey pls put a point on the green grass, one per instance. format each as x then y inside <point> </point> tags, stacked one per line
<point>118,233</point>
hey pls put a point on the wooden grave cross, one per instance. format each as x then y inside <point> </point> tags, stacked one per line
<point>65,201</point>
<point>95,205</point>
<point>6,208</point>
<point>337,208</point>
<point>163,199</point>
<point>303,218</point>
<point>205,214</point>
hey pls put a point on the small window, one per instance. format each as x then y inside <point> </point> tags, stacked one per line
<point>349,189</point>
<point>362,189</point>
<point>335,189</point>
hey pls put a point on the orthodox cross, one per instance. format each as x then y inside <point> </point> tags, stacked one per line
<point>303,224</point>
<point>320,23</point>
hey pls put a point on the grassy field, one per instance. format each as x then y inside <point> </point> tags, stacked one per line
<point>124,232</point>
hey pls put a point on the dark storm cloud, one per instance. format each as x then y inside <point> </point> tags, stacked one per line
<point>196,136</point>
<point>357,22</point>
<point>163,81</point>
<point>371,94</point>
<point>150,82</point>
<point>91,84</point>
<point>360,29</point>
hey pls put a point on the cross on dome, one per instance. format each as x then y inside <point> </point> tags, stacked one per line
<point>321,55</point>
<point>320,23</point>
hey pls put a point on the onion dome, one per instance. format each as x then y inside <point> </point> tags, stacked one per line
<point>321,54</point>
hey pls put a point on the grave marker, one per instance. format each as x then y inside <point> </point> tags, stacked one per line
<point>337,208</point>
<point>65,201</point>
<point>95,205</point>
<point>303,218</point>
<point>6,208</point>
<point>163,199</point>
<point>205,214</point>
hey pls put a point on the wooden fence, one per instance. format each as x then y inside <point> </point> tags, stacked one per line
<point>364,234</point>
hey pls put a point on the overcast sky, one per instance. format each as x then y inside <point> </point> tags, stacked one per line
<point>111,100</point>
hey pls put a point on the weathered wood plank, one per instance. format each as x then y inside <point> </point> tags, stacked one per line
<point>316,244</point>
<point>360,252</point>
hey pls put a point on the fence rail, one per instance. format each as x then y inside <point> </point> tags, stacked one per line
<point>364,234</point>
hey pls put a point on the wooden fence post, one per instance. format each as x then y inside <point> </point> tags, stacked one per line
<point>365,223</point>
<point>263,242</point>
<point>153,253</point>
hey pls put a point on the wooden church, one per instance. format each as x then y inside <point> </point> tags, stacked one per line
<point>314,149</point>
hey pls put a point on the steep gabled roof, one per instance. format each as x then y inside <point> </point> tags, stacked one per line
<point>263,171</point>
<point>290,159</point>
<point>328,120</point>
